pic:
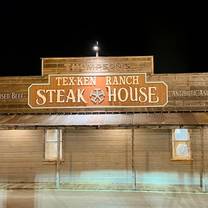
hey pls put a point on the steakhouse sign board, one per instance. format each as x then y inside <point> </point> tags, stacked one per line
<point>98,91</point>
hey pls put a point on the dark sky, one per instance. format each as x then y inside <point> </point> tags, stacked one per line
<point>176,35</point>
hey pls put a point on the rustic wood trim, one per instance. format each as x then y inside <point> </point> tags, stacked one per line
<point>183,160</point>
<point>133,160</point>
<point>58,161</point>
<point>202,171</point>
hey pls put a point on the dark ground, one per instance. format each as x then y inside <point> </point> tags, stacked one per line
<point>99,199</point>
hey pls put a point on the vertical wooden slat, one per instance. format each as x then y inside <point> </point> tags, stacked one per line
<point>202,182</point>
<point>133,162</point>
<point>58,159</point>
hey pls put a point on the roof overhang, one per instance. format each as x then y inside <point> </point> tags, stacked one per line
<point>132,119</point>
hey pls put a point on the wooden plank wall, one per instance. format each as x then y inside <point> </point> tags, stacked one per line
<point>186,92</point>
<point>102,158</point>
<point>97,158</point>
<point>155,167</point>
<point>97,65</point>
<point>21,157</point>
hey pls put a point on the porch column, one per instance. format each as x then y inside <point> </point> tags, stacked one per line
<point>59,139</point>
<point>202,171</point>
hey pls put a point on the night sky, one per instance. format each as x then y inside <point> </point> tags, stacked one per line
<point>174,34</point>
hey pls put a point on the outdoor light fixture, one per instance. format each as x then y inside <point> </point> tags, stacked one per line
<point>96,48</point>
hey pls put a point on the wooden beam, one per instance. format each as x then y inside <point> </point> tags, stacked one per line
<point>132,159</point>
<point>58,159</point>
<point>202,173</point>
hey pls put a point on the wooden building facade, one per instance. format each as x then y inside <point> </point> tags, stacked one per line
<point>64,130</point>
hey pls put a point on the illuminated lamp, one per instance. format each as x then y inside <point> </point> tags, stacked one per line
<point>96,48</point>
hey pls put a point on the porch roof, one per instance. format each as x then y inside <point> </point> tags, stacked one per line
<point>133,119</point>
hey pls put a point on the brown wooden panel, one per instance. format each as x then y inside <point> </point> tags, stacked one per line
<point>154,167</point>
<point>94,156</point>
<point>21,153</point>
<point>103,157</point>
<point>97,64</point>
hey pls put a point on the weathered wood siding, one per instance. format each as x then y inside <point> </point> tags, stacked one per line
<point>97,65</point>
<point>21,157</point>
<point>103,158</point>
<point>155,168</point>
<point>97,158</point>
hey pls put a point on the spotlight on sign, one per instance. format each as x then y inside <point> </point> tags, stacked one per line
<point>96,48</point>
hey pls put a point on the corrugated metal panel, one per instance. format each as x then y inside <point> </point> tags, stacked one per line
<point>105,119</point>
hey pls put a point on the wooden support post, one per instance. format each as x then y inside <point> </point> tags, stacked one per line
<point>202,182</point>
<point>59,139</point>
<point>132,159</point>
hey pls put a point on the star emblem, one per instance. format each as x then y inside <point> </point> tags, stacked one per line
<point>97,96</point>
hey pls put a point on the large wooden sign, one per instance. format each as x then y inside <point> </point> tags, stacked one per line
<point>103,84</point>
<point>98,90</point>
